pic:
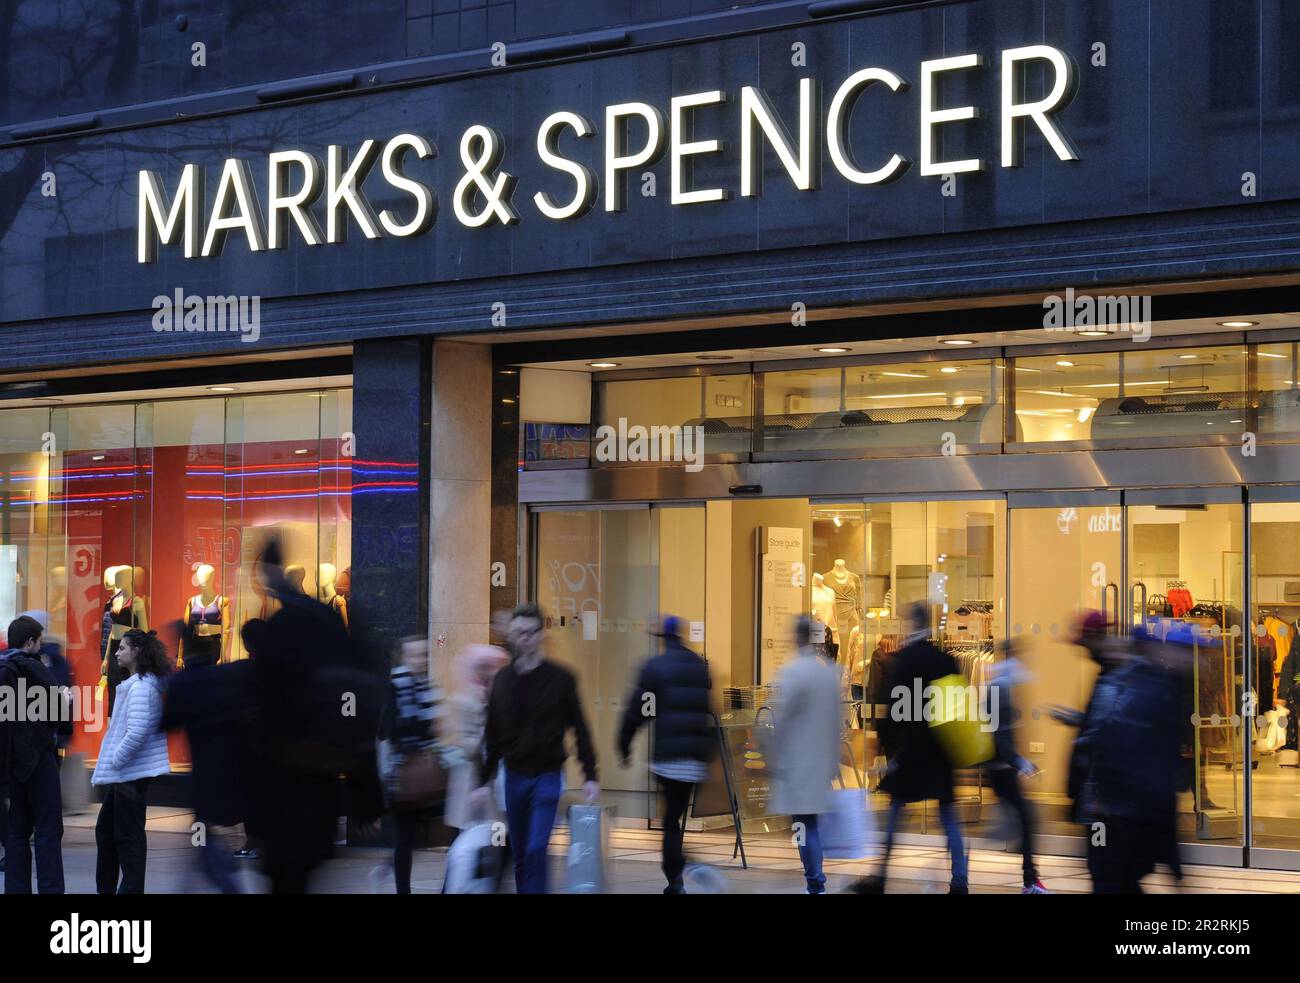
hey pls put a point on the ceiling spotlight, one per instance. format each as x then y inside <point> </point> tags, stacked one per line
<point>838,522</point>
<point>715,358</point>
<point>1186,356</point>
<point>603,365</point>
<point>1065,364</point>
<point>1237,324</point>
<point>833,351</point>
<point>221,389</point>
<point>958,341</point>
<point>949,369</point>
<point>97,457</point>
<point>302,450</point>
<point>1095,333</point>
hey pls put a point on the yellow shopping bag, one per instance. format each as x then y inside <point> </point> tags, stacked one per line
<point>956,716</point>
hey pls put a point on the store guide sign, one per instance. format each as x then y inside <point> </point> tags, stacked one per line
<point>318,200</point>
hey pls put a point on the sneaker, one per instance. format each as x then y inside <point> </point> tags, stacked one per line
<point>248,854</point>
<point>1035,888</point>
<point>874,884</point>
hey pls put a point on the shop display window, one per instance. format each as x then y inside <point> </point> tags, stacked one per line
<point>1277,369</point>
<point>720,404</point>
<point>151,514</point>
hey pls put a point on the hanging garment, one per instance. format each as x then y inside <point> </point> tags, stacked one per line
<point>1180,601</point>
<point>1282,635</point>
<point>1265,662</point>
<point>204,649</point>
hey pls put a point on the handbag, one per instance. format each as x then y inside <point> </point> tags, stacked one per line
<point>847,829</point>
<point>421,781</point>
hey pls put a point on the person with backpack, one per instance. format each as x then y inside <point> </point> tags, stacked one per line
<point>918,767</point>
<point>672,693</point>
<point>29,756</point>
<point>533,704</point>
<point>133,753</point>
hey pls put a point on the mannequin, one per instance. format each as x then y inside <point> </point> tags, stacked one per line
<point>328,595</point>
<point>848,596</point>
<point>123,612</point>
<point>823,609</point>
<point>207,621</point>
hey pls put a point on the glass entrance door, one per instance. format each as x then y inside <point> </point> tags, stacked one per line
<point>1185,563</point>
<point>1067,561</point>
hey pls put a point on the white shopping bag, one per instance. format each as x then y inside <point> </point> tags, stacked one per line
<point>846,830</point>
<point>473,861</point>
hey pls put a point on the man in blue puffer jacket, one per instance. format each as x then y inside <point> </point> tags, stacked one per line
<point>673,692</point>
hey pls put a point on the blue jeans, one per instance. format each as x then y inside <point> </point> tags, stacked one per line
<point>810,852</point>
<point>947,816</point>
<point>530,814</point>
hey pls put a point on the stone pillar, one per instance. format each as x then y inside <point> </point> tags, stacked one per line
<point>460,514</point>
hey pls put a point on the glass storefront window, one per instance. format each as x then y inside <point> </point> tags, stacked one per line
<point>1131,395</point>
<point>860,408</point>
<point>149,514</point>
<point>721,404</point>
<point>1276,369</point>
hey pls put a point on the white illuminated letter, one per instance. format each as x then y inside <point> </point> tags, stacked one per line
<point>425,207</point>
<point>294,205</point>
<point>1062,89</point>
<point>754,107</point>
<point>616,158</point>
<point>681,147</point>
<point>236,181</point>
<point>548,138</point>
<point>159,225</point>
<point>932,117</point>
<point>837,127</point>
<point>341,191</point>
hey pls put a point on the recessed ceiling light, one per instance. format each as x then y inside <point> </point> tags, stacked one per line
<point>1186,356</point>
<point>833,351</point>
<point>949,369</point>
<point>715,358</point>
<point>97,457</point>
<point>1272,355</point>
<point>1234,421</point>
<point>603,365</point>
<point>221,389</point>
<point>1094,334</point>
<point>302,450</point>
<point>958,341</point>
<point>905,375</point>
<point>1237,324</point>
<point>508,402</point>
<point>1063,363</point>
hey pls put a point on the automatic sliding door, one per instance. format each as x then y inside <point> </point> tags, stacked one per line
<point>1066,559</point>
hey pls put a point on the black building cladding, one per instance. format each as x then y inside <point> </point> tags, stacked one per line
<point>1182,119</point>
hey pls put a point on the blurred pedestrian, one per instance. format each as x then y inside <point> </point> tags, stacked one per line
<point>305,669</point>
<point>1004,771</point>
<point>1130,755</point>
<point>807,738</point>
<point>672,692</point>
<point>416,724</point>
<point>133,753</point>
<point>918,767</point>
<point>211,703</point>
<point>254,636</point>
<point>533,704</point>
<point>472,675</point>
<point>29,766</point>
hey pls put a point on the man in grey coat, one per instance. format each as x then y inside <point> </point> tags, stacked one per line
<point>807,737</point>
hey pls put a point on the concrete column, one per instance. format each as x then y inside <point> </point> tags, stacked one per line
<point>460,498</point>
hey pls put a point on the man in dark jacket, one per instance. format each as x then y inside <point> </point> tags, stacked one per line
<point>673,692</point>
<point>212,704</point>
<point>918,768</point>
<point>533,704</point>
<point>28,750</point>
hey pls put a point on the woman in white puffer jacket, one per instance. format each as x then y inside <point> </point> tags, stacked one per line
<point>133,752</point>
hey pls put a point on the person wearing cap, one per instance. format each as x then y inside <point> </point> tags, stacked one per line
<point>672,692</point>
